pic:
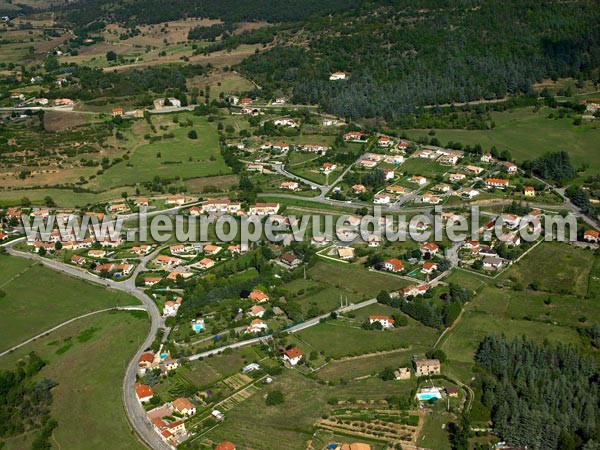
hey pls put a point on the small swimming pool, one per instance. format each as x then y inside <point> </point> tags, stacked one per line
<point>164,355</point>
<point>424,396</point>
<point>197,327</point>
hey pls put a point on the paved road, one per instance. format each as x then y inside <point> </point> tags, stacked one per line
<point>135,413</point>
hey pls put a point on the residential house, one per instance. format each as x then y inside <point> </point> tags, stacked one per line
<point>151,281</point>
<point>257,311</point>
<point>79,260</point>
<point>210,249</point>
<point>290,185</point>
<point>171,307</point>
<point>290,260</point>
<point>429,267</point>
<point>468,193</point>
<point>328,167</point>
<point>475,170</point>
<point>171,102</point>
<point>263,209</point>
<point>254,168</point>
<point>314,148</point>
<point>487,158</point>
<point>319,240</point>
<point>414,291</point>
<point>168,261</point>
<point>451,391</point>
<point>292,356</point>
<point>257,326</point>
<point>213,206</point>
<point>337,76</point>
<point>63,102</point>
<point>509,167</point>
<point>97,253</point>
<point>426,367</point>
<point>258,296</point>
<point>393,265</point>
<point>421,181</point>
<point>177,249</point>
<point>429,248</point>
<point>431,199</point>
<point>225,445</point>
<point>496,182</point>
<point>384,141</point>
<point>143,392</point>
<point>398,190</point>
<point>117,112</point>
<point>529,191</point>
<point>359,188</point>
<point>394,159</point>
<point>385,321</point>
<point>455,177</point>
<point>441,187</point>
<point>175,200</point>
<point>355,136</point>
<point>381,199</point>
<point>367,163</point>
<point>345,253</point>
<point>492,263</point>
<point>205,263</point>
<point>184,406</point>
<point>389,174</point>
<point>591,236</point>
<point>285,122</point>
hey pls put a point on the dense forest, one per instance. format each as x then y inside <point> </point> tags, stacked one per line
<point>24,403</point>
<point>402,56</point>
<point>540,396</point>
<point>154,11</point>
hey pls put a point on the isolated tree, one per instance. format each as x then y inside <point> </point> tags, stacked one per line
<point>111,56</point>
<point>192,134</point>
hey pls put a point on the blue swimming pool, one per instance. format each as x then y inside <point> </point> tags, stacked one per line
<point>197,327</point>
<point>428,396</point>
<point>164,355</point>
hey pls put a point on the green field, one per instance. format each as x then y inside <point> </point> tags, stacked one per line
<point>528,134</point>
<point>87,403</point>
<point>422,166</point>
<point>38,298</point>
<point>180,157</point>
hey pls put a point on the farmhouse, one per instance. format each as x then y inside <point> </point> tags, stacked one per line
<point>117,112</point>
<point>292,356</point>
<point>403,373</point>
<point>385,321</point>
<point>393,265</point>
<point>425,367</point>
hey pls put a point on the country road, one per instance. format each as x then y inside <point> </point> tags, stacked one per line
<point>135,413</point>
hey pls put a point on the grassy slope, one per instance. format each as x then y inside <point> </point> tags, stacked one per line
<point>529,134</point>
<point>87,401</point>
<point>38,298</point>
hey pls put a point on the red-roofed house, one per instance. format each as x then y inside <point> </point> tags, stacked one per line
<point>292,356</point>
<point>258,296</point>
<point>143,392</point>
<point>385,321</point>
<point>393,265</point>
<point>591,236</point>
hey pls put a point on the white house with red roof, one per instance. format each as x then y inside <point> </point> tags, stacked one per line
<point>385,321</point>
<point>292,356</point>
